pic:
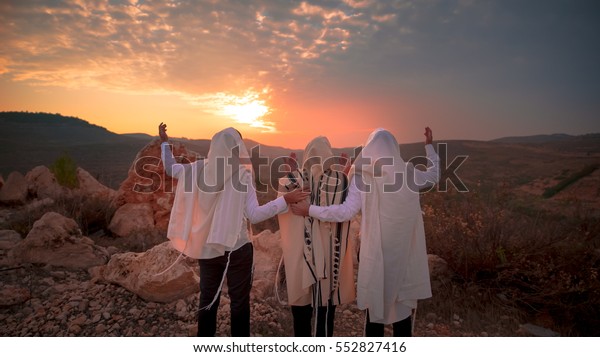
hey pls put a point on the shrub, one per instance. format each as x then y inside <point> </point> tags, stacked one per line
<point>65,171</point>
<point>549,192</point>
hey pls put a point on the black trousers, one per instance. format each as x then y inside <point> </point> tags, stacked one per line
<point>402,328</point>
<point>239,283</point>
<point>303,316</point>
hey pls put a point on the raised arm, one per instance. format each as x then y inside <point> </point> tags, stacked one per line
<point>172,168</point>
<point>431,176</point>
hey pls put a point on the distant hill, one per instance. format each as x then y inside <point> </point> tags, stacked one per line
<point>32,139</point>
<point>533,139</point>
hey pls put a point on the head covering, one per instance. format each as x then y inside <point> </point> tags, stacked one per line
<point>317,255</point>
<point>393,271</point>
<point>208,211</point>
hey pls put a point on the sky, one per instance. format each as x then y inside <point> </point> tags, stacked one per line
<point>283,72</point>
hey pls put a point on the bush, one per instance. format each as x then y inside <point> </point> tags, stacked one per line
<point>65,171</point>
<point>549,192</point>
<point>544,264</point>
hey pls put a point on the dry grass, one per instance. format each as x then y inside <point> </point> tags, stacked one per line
<point>541,266</point>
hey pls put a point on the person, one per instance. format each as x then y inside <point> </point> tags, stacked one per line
<point>317,255</point>
<point>393,270</point>
<point>213,199</point>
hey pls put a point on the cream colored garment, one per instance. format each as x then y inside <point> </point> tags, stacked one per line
<point>317,252</point>
<point>393,271</point>
<point>210,196</point>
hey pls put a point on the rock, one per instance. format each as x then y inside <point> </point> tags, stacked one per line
<point>267,253</point>
<point>79,320</point>
<point>130,218</point>
<point>97,273</point>
<point>181,309</point>
<point>431,316</point>
<point>42,183</point>
<point>100,329</point>
<point>90,187</point>
<point>147,182</point>
<point>13,295</point>
<point>57,241</point>
<point>75,329</point>
<point>438,267</point>
<point>9,239</point>
<point>14,190</point>
<point>538,331</point>
<point>139,273</point>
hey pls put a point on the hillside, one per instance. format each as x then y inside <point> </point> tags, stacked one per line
<point>31,139</point>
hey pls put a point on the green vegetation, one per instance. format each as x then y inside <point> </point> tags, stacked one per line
<point>65,171</point>
<point>548,193</point>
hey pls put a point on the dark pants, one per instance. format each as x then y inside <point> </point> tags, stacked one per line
<point>239,282</point>
<point>402,328</point>
<point>303,316</point>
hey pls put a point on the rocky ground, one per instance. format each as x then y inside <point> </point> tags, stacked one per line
<point>72,303</point>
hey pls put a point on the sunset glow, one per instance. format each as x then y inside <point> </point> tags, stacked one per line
<point>283,72</point>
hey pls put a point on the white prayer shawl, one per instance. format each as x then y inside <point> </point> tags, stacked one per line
<point>393,272</point>
<point>208,210</point>
<point>317,255</point>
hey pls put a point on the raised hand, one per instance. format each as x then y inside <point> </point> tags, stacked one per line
<point>346,163</point>
<point>428,136</point>
<point>291,163</point>
<point>162,132</point>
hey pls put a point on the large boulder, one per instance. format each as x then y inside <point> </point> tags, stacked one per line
<point>14,190</point>
<point>131,218</point>
<point>152,275</point>
<point>42,184</point>
<point>90,187</point>
<point>57,240</point>
<point>148,183</point>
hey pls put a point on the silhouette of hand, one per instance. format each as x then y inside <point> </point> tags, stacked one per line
<point>428,136</point>
<point>291,163</point>
<point>162,132</point>
<point>345,163</point>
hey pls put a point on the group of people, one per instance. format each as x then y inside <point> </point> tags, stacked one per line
<point>215,198</point>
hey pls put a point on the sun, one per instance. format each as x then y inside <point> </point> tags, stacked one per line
<point>247,110</point>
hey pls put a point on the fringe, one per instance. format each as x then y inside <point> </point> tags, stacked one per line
<point>218,293</point>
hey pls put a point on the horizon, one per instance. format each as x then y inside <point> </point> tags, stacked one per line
<point>276,70</point>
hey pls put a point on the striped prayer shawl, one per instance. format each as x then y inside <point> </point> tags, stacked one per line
<point>327,246</point>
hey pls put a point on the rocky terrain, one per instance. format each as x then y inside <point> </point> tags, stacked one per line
<point>92,261</point>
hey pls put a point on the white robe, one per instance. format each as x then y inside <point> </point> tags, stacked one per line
<point>212,199</point>
<point>393,272</point>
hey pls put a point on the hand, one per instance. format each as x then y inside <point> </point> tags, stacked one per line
<point>291,163</point>
<point>300,209</point>
<point>428,136</point>
<point>162,132</point>
<point>296,196</point>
